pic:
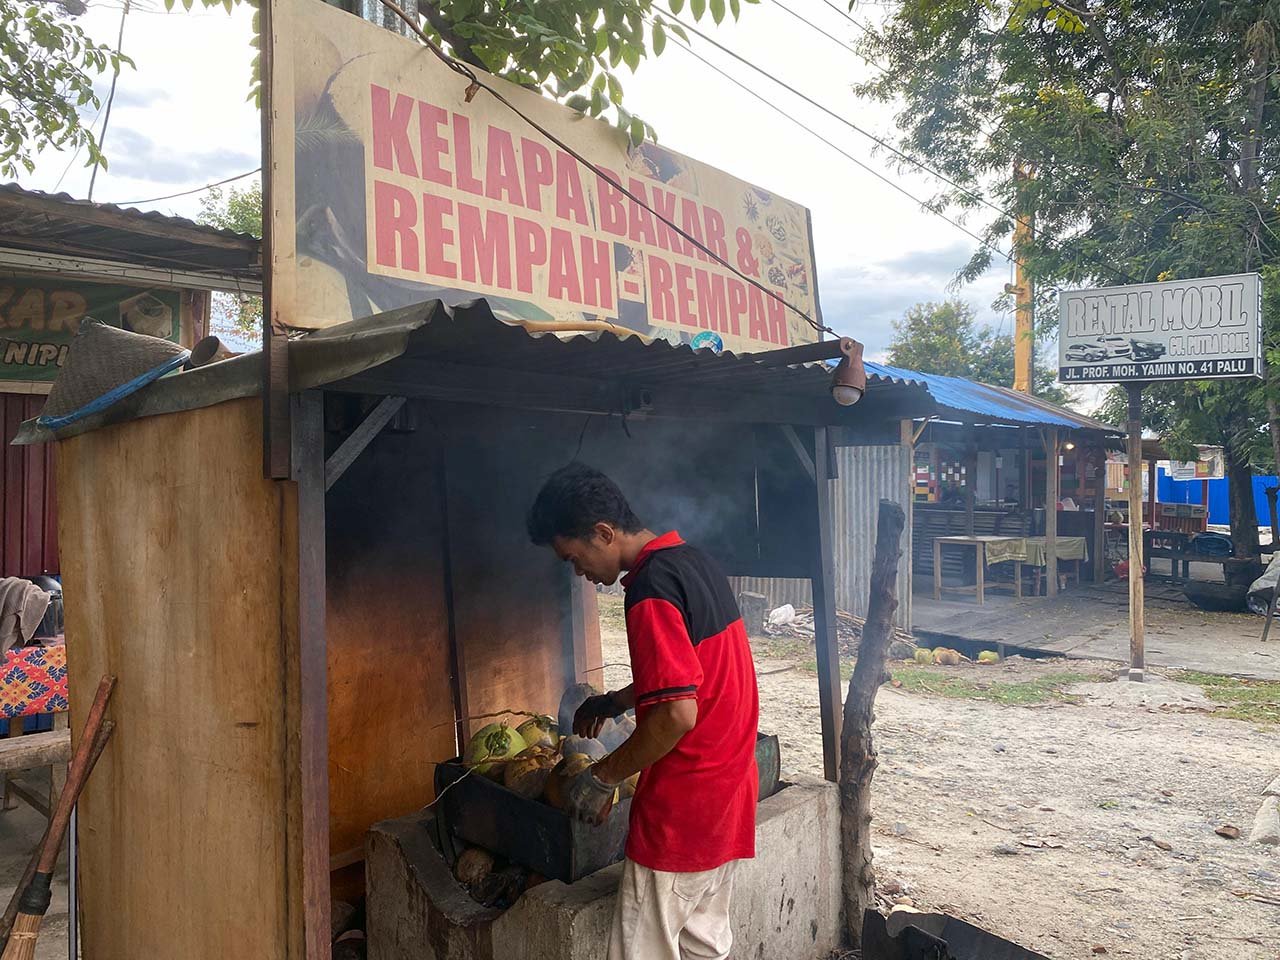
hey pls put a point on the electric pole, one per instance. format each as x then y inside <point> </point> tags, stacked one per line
<point>1023,290</point>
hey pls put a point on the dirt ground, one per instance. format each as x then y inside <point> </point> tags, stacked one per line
<point>1048,823</point>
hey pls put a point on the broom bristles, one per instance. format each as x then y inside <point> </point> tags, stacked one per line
<point>22,939</point>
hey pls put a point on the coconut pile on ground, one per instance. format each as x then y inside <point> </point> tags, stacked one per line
<point>536,763</point>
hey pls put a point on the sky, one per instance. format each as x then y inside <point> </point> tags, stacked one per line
<point>181,120</point>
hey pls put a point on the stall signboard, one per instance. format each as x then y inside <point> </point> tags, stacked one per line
<point>1204,329</point>
<point>1210,465</point>
<point>39,316</point>
<point>392,183</point>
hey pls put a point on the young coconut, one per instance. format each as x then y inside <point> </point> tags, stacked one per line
<point>496,742</point>
<point>527,774</point>
<point>473,866</point>
<point>564,772</point>
<point>540,730</point>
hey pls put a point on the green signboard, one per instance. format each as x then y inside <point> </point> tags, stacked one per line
<point>40,316</point>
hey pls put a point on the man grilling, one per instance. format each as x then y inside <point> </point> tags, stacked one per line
<point>694,692</point>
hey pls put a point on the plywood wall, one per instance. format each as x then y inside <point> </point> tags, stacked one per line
<point>174,559</point>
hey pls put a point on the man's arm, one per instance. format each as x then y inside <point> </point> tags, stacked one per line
<point>655,736</point>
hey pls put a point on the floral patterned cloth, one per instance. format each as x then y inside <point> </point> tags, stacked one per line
<point>34,680</point>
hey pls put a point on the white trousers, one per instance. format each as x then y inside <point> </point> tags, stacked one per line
<point>672,916</point>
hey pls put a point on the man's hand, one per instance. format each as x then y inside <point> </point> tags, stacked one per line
<point>590,717</point>
<point>588,798</point>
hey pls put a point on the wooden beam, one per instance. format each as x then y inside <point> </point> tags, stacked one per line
<point>360,438</point>
<point>802,454</point>
<point>826,641</point>
<point>15,262</point>
<point>1137,588</point>
<point>1100,519</point>
<point>915,437</point>
<point>306,681</point>
<point>1051,510</point>
<point>34,749</point>
<point>970,486</point>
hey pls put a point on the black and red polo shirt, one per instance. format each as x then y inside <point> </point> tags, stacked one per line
<point>694,809</point>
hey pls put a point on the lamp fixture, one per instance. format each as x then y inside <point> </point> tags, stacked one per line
<point>849,381</point>
<point>1069,445</point>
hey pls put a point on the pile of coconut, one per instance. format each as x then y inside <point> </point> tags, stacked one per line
<point>534,761</point>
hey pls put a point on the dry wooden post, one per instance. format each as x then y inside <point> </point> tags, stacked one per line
<point>857,753</point>
<point>1137,599</point>
<point>1051,495</point>
<point>1100,518</point>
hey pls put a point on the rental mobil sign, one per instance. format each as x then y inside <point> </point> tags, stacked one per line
<point>1204,329</point>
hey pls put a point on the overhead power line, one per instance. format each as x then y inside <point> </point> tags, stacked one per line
<point>115,77</point>
<point>186,193</point>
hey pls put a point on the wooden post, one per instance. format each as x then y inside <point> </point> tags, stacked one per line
<point>1151,493</point>
<point>1100,519</point>
<point>826,643</point>
<point>970,484</point>
<point>857,752</point>
<point>1271,493</point>
<point>1136,585</point>
<point>1051,510</point>
<point>1026,470</point>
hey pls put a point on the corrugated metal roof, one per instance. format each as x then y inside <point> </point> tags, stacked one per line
<point>60,223</point>
<point>972,402</point>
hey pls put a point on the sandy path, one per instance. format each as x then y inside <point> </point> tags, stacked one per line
<point>959,779</point>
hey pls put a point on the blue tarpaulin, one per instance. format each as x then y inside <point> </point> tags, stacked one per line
<point>1169,490</point>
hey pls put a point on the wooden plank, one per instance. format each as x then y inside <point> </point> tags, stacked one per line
<point>826,644</point>
<point>1100,521</point>
<point>801,453</point>
<point>184,823</point>
<point>306,677</point>
<point>359,438</point>
<point>21,752</point>
<point>391,702</point>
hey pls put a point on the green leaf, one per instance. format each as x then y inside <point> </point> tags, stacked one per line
<point>697,8</point>
<point>679,31</point>
<point>735,7</point>
<point>615,89</point>
<point>676,6</point>
<point>717,10</point>
<point>578,102</point>
<point>602,42</point>
<point>659,38</point>
<point>637,131</point>
<point>631,54</point>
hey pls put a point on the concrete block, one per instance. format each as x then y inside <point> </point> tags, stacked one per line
<point>786,901</point>
<point>1266,825</point>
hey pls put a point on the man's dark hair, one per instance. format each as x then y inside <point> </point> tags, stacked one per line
<point>573,500</point>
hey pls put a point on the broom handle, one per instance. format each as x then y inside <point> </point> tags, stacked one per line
<point>11,911</point>
<point>77,773</point>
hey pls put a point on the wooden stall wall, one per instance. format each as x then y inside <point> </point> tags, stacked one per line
<point>391,704</point>
<point>28,500</point>
<point>182,584</point>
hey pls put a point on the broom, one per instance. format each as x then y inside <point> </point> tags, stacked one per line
<point>34,902</point>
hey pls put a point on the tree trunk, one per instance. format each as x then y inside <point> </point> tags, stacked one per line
<point>857,754</point>
<point>1244,518</point>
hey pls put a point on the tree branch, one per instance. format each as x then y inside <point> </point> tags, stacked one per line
<point>461,46</point>
<point>1087,18</point>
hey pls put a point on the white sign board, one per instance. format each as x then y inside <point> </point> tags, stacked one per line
<point>1202,329</point>
<point>1210,465</point>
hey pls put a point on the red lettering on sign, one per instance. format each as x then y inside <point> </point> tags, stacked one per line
<point>684,294</point>
<point>713,310</point>
<point>613,214</point>
<point>597,273</point>
<point>562,278</point>
<point>664,206</point>
<point>777,320</point>
<point>756,327</point>
<point>662,303</point>
<point>434,146</point>
<point>391,130</point>
<point>502,177</point>
<point>531,251</point>
<point>737,304</point>
<point>715,233</point>
<point>641,220</point>
<point>464,158</point>
<point>437,236</point>
<point>395,215</point>
<point>538,173</point>
<point>484,248</point>
<point>571,200</point>
<point>691,224</point>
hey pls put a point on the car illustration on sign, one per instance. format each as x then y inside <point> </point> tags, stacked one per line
<point>1116,346</point>
<point>1147,349</point>
<point>1086,352</point>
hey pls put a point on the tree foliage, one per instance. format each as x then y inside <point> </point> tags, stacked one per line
<point>1142,135</point>
<point>945,338</point>
<point>47,66</point>
<point>239,210</point>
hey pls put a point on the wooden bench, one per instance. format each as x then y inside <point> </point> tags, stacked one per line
<point>21,751</point>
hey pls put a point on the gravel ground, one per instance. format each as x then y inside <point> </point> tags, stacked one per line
<point>1048,824</point>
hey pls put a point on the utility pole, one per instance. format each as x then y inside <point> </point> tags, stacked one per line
<point>1023,290</point>
<point>1137,586</point>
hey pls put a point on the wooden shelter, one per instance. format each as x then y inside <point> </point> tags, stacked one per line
<point>294,657</point>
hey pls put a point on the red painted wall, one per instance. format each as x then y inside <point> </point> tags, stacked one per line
<point>28,508</point>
